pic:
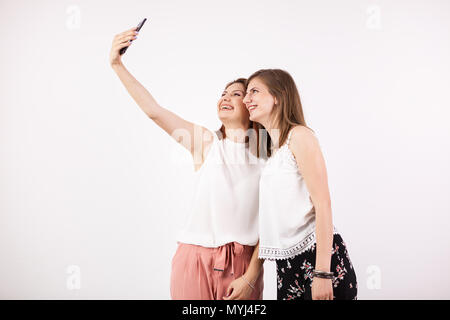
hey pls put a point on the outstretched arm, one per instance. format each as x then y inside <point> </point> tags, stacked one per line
<point>193,137</point>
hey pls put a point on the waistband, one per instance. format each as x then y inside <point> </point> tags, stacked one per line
<point>224,254</point>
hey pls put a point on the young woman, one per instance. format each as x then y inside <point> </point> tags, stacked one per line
<point>216,249</point>
<point>295,219</point>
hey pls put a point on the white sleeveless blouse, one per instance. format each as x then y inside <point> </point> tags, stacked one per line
<point>286,213</point>
<point>224,206</point>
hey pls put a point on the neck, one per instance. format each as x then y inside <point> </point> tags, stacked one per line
<point>273,131</point>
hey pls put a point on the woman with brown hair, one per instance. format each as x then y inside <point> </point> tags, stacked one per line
<point>295,219</point>
<point>216,248</point>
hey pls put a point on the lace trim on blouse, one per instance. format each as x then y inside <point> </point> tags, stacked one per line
<point>278,254</point>
<point>273,253</point>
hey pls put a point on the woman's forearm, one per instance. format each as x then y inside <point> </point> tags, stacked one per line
<point>255,266</point>
<point>324,237</point>
<point>137,91</point>
<point>188,134</point>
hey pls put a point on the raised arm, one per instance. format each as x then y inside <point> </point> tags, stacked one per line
<point>193,137</point>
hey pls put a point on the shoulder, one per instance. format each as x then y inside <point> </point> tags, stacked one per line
<point>302,135</point>
<point>201,134</point>
<point>208,135</point>
<point>202,140</point>
<point>305,147</point>
<point>303,142</point>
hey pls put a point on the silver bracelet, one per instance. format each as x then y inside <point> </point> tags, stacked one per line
<point>323,274</point>
<point>251,286</point>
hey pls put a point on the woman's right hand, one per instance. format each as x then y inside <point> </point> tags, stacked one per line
<point>120,41</point>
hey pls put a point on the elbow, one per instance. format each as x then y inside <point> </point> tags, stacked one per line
<point>152,111</point>
<point>152,115</point>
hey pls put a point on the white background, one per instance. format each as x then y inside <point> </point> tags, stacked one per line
<point>87,180</point>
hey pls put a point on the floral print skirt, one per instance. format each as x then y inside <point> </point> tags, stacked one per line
<point>294,275</point>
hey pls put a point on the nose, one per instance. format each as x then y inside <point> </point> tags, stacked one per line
<point>247,99</point>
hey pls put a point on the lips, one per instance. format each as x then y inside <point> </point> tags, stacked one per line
<point>226,107</point>
<point>252,107</point>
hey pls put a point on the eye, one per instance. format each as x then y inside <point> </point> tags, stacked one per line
<point>237,94</point>
<point>254,90</point>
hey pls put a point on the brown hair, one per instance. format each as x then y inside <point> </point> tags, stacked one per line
<point>288,111</point>
<point>242,81</point>
<point>257,128</point>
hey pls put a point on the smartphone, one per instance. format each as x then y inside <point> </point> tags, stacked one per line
<point>139,26</point>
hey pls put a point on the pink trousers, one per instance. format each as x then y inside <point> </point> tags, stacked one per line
<point>200,273</point>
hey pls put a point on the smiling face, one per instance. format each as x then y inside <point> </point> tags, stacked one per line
<point>259,101</point>
<point>231,108</point>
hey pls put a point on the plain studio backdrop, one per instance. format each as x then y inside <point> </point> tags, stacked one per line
<point>93,193</point>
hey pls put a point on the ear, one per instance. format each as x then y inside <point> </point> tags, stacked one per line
<point>275,100</point>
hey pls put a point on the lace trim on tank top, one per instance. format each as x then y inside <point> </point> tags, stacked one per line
<point>279,254</point>
<point>285,152</point>
<point>272,253</point>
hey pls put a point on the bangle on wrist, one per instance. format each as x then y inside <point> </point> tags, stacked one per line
<point>323,274</point>
<point>248,282</point>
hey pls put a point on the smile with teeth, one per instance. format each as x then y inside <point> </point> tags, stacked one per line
<point>251,107</point>
<point>226,107</point>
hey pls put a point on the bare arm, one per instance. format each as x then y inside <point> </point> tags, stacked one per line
<point>239,289</point>
<point>311,164</point>
<point>255,266</point>
<point>193,137</point>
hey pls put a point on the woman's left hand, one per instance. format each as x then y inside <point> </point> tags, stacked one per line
<point>238,290</point>
<point>322,289</point>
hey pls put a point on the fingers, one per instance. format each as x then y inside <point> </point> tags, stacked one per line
<point>230,297</point>
<point>127,31</point>
<point>126,39</point>
<point>228,292</point>
<point>122,45</point>
<point>235,295</point>
<point>324,297</point>
<point>125,36</point>
<point>132,34</point>
<point>320,296</point>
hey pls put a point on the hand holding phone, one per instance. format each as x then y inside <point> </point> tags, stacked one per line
<point>139,26</point>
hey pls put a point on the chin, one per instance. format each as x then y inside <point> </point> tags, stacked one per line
<point>253,118</point>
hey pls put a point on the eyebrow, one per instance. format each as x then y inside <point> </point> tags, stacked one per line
<point>252,89</point>
<point>234,91</point>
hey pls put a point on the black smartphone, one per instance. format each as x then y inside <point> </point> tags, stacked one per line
<point>139,26</point>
